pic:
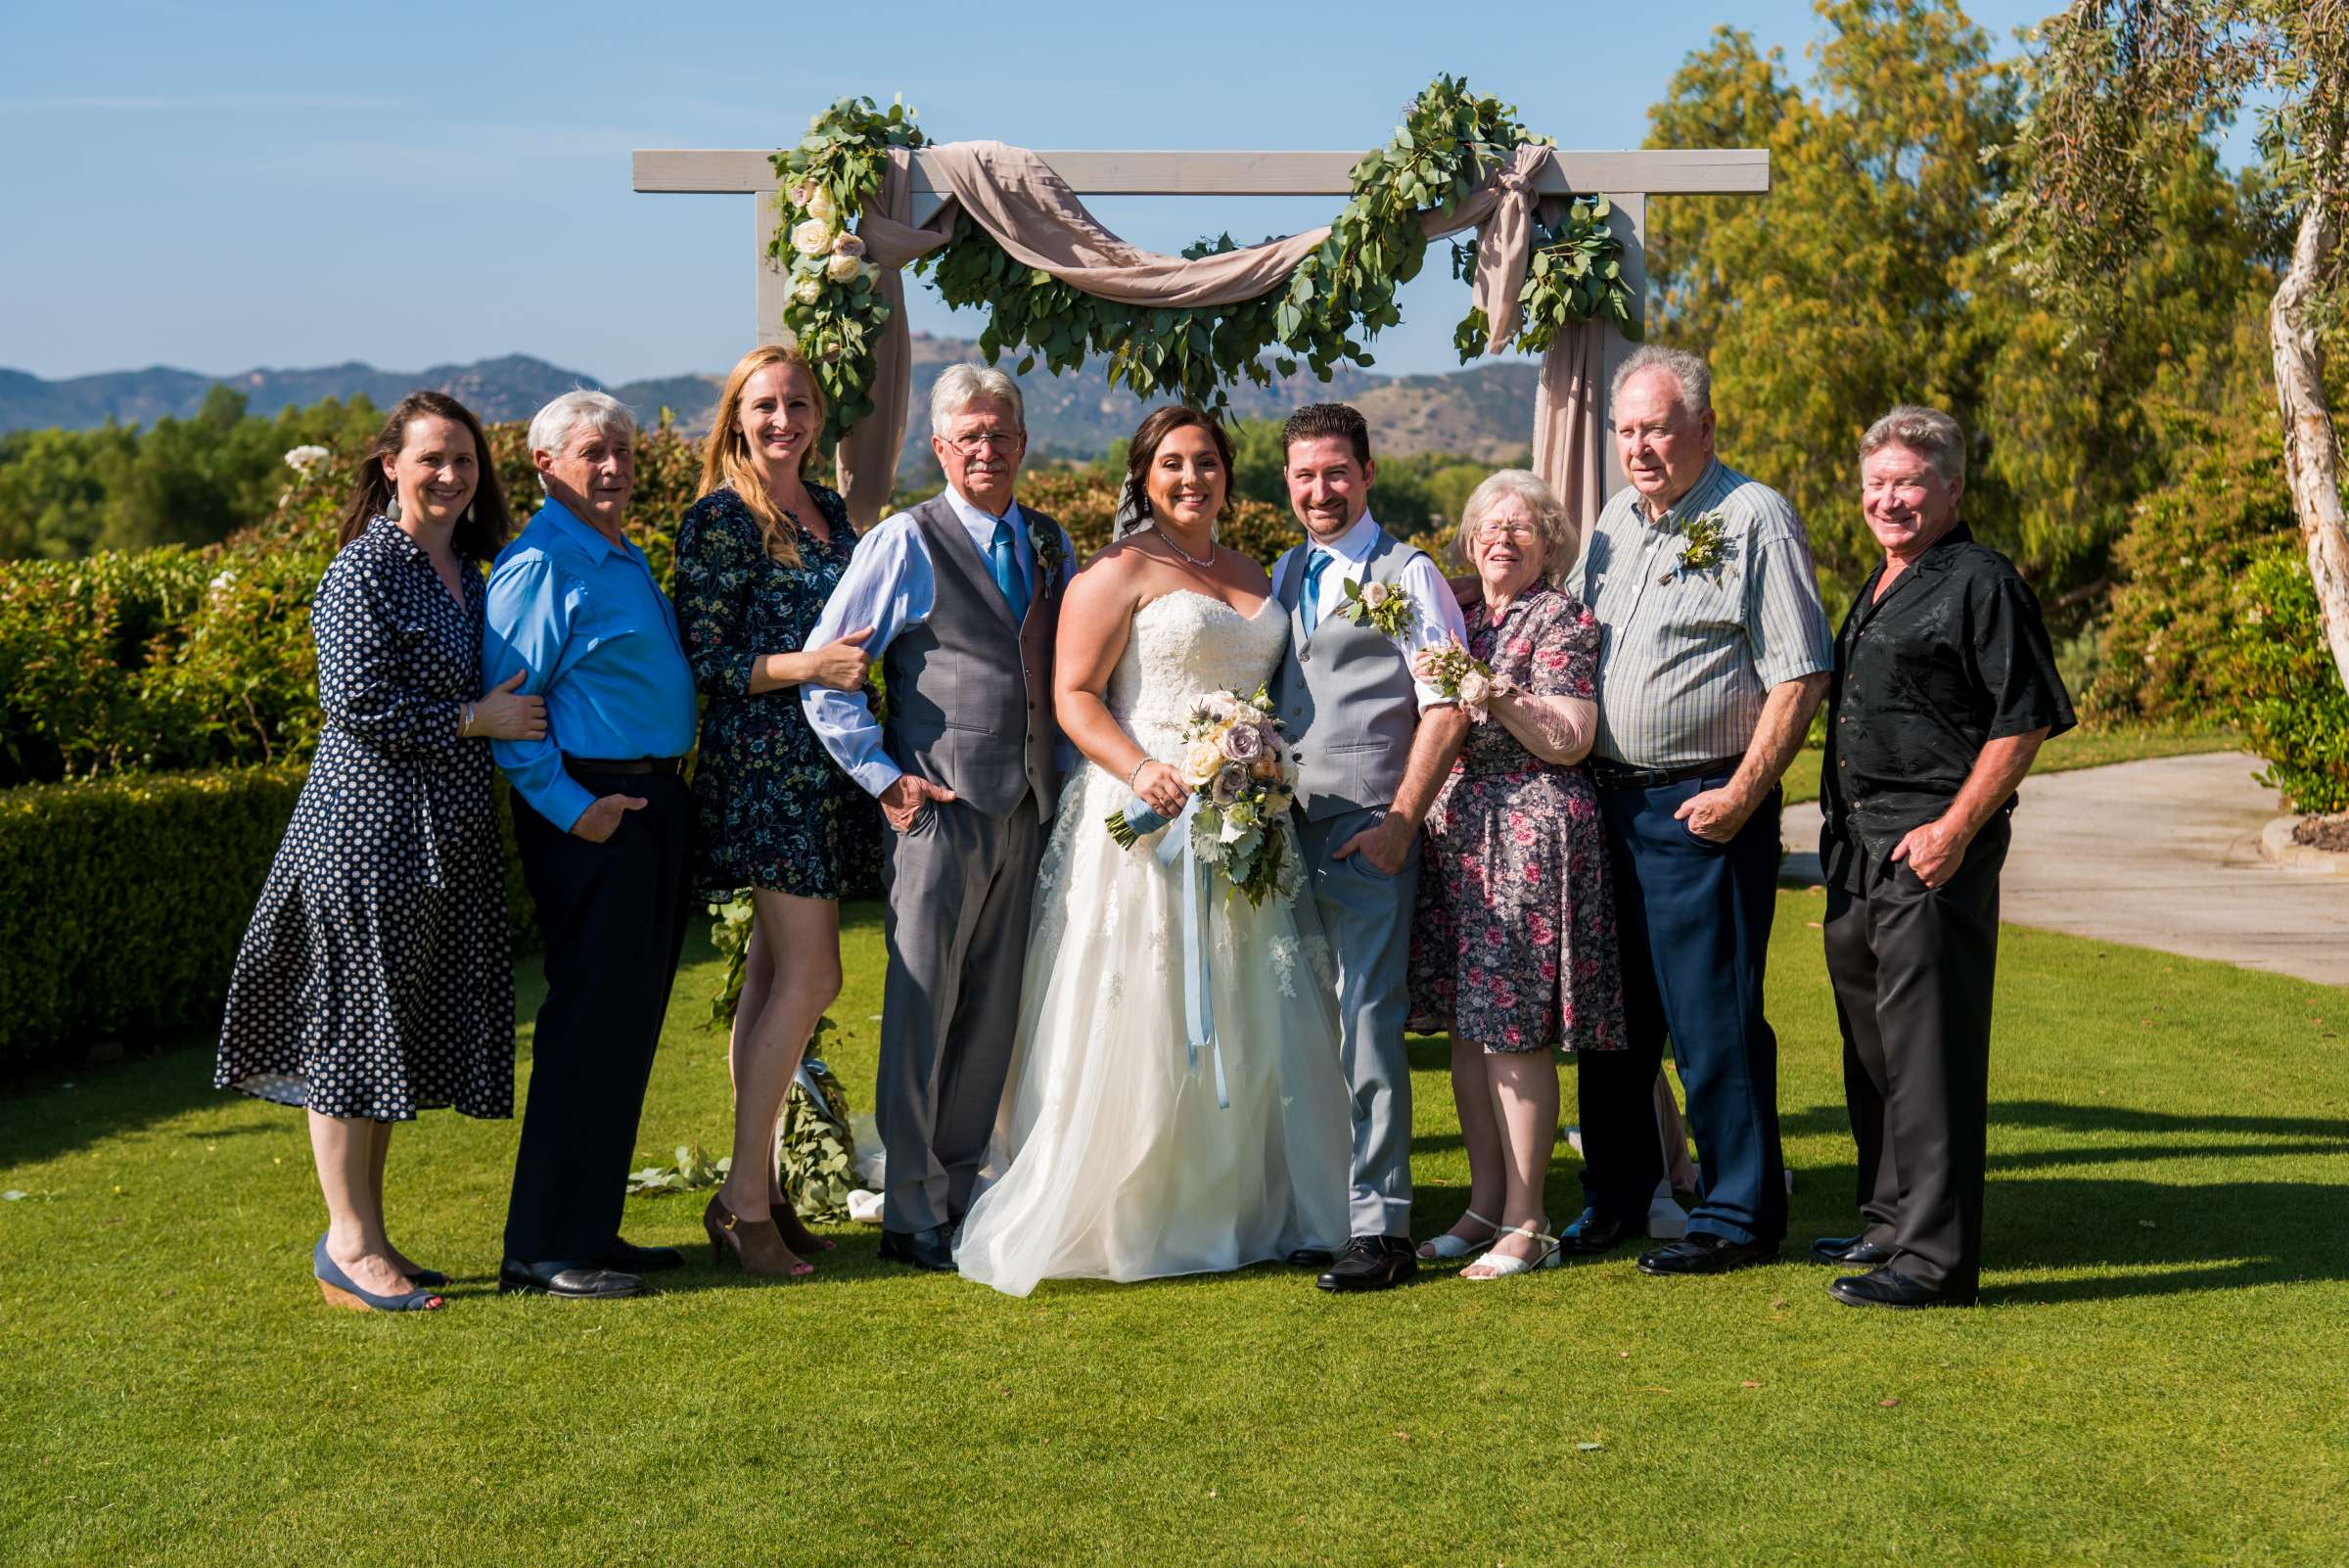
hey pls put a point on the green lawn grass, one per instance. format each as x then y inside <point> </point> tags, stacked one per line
<point>2159,1373</point>
<point>2074,748</point>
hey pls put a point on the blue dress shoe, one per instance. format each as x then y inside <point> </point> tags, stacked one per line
<point>931,1250</point>
<point>339,1288</point>
<point>428,1279</point>
<point>1594,1234</point>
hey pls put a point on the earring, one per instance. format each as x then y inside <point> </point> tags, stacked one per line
<point>468,510</point>
<point>391,507</point>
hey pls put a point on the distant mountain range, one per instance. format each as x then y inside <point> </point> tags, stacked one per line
<point>1483,412</point>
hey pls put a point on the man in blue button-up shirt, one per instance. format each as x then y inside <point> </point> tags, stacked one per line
<point>601,816</point>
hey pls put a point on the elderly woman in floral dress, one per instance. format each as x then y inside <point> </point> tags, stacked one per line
<point>1513,946</point>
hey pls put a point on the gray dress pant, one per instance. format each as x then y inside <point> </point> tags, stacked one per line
<point>1367,916</point>
<point>961,887</point>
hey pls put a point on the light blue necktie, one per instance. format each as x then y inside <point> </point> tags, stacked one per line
<point>1308,606</point>
<point>1006,562</point>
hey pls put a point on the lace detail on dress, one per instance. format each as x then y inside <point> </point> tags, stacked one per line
<point>1182,646</point>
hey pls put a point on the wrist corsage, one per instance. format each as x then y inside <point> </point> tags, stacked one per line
<point>1459,675</point>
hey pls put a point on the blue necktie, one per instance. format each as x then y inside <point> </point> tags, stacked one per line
<point>1308,606</point>
<point>1006,562</point>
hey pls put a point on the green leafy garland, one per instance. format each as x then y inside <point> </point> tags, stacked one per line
<point>1338,298</point>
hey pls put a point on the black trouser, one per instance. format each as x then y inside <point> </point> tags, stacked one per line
<point>613,918</point>
<point>1913,968</point>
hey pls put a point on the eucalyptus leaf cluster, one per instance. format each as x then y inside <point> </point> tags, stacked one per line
<point>1324,314</point>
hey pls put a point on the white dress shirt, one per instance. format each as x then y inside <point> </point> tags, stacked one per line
<point>1435,612</point>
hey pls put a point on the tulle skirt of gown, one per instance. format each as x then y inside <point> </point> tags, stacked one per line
<point>1112,1159</point>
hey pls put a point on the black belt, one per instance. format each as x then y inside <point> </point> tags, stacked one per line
<point>628,764</point>
<point>1612,775</point>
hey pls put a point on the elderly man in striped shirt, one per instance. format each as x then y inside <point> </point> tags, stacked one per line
<point>1713,652</point>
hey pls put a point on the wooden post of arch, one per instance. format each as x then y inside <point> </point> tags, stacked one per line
<point>1627,179</point>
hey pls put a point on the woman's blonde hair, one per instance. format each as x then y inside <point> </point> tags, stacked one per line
<point>726,456</point>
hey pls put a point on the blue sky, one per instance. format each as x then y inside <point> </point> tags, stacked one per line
<point>217,186</point>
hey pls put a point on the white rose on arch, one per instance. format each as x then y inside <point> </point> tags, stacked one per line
<point>808,290</point>
<point>814,237</point>
<point>844,268</point>
<point>847,244</point>
<point>820,206</point>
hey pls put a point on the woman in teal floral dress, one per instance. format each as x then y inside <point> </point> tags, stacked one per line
<point>757,557</point>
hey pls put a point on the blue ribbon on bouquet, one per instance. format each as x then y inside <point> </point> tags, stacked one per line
<point>1198,998</point>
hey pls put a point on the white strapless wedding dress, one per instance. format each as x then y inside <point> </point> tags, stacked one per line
<point>1112,1159</point>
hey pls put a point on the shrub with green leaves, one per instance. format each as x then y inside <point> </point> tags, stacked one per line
<point>2281,685</point>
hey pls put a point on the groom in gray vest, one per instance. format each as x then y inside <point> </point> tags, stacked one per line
<point>964,595</point>
<point>1373,748</point>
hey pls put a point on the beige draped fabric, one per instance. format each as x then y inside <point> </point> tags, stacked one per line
<point>1033,214</point>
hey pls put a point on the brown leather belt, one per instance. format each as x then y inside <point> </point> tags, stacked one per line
<point>627,765</point>
<point>1611,776</point>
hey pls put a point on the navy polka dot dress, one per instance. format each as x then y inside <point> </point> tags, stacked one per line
<point>376,978</point>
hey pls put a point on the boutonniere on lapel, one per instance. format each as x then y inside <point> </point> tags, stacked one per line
<point>1378,606</point>
<point>1050,556</point>
<point>1707,547</point>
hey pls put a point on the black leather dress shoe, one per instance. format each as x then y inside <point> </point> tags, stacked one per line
<point>1369,1262</point>
<point>1594,1234</point>
<point>1700,1252</point>
<point>626,1257</point>
<point>1889,1287</point>
<point>1311,1258</point>
<point>931,1249</point>
<point>1850,1252</point>
<point>570,1281</point>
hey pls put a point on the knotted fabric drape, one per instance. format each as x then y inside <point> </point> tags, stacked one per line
<point>1033,214</point>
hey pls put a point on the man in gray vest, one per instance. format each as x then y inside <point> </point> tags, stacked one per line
<point>964,595</point>
<point>1373,748</point>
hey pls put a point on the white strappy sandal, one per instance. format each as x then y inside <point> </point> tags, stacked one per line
<point>1504,1265</point>
<point>1449,1245</point>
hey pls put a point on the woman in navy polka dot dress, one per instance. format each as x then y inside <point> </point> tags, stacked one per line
<point>375,980</point>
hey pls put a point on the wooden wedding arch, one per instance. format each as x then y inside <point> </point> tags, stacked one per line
<point>1628,178</point>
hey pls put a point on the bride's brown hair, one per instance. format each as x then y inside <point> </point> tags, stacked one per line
<point>1142,451</point>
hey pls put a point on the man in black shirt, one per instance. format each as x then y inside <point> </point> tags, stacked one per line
<point>1945,686</point>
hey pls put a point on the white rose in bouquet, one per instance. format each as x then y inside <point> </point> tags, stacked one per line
<point>1476,689</point>
<point>814,237</point>
<point>844,268</point>
<point>808,290</point>
<point>1200,763</point>
<point>820,206</point>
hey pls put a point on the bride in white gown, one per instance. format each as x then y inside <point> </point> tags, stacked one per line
<point>1112,1159</point>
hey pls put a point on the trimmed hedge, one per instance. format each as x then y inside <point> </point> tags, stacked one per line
<point>122,900</point>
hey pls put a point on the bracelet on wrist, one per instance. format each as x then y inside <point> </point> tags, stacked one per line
<point>1136,770</point>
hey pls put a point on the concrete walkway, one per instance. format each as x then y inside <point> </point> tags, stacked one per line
<point>2161,854</point>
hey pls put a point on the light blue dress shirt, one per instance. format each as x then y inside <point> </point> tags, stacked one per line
<point>891,584</point>
<point>596,638</point>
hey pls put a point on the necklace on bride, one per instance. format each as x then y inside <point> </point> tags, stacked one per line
<point>1168,540</point>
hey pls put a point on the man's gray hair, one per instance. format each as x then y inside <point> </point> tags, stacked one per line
<point>553,427</point>
<point>960,386</point>
<point>1929,432</point>
<point>1561,540</point>
<point>1690,373</point>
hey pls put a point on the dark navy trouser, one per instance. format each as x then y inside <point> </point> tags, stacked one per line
<point>1694,919</point>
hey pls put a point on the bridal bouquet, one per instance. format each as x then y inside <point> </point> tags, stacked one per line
<point>1242,782</point>
<point>1460,677</point>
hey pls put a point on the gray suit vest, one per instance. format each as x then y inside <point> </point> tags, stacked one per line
<point>970,690</point>
<point>1346,696</point>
